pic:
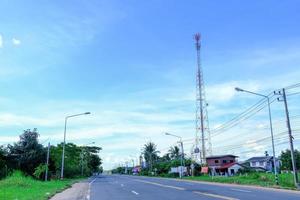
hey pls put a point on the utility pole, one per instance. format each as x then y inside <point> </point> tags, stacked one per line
<point>271,128</point>
<point>126,169</point>
<point>182,153</point>
<point>81,161</point>
<point>290,137</point>
<point>64,143</point>
<point>47,162</point>
<point>182,157</point>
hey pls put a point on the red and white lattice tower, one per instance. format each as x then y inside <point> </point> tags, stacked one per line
<point>202,138</point>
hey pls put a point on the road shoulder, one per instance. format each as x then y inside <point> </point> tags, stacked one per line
<point>78,191</point>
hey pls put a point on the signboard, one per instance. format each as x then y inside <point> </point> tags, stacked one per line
<point>204,170</point>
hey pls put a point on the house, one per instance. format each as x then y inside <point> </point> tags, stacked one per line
<point>263,163</point>
<point>223,165</point>
<point>136,170</point>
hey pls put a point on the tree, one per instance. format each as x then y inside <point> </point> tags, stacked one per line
<point>174,152</point>
<point>166,157</point>
<point>92,158</point>
<point>286,160</point>
<point>150,153</point>
<point>27,153</point>
<point>74,155</point>
<point>3,162</point>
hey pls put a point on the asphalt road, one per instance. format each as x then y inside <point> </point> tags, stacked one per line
<point>120,187</point>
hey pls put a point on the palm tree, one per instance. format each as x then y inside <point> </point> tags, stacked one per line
<point>150,153</point>
<point>174,152</point>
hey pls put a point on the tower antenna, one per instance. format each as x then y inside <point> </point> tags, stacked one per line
<point>202,123</point>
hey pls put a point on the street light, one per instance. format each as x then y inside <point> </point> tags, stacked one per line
<point>63,152</point>
<point>182,153</point>
<point>82,156</point>
<point>271,127</point>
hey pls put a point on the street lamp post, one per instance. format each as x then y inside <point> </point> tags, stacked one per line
<point>64,143</point>
<point>82,156</point>
<point>271,128</point>
<point>182,153</point>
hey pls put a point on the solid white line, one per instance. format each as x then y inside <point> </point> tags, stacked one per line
<point>134,192</point>
<point>89,190</point>
<point>215,195</point>
<point>92,181</point>
<point>187,183</point>
<point>161,185</point>
<point>239,190</point>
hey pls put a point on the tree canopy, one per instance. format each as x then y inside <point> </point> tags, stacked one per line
<point>286,160</point>
<point>29,156</point>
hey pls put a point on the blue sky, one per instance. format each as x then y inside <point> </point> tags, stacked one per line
<point>132,64</point>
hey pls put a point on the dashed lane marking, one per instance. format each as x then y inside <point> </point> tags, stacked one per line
<point>161,185</point>
<point>215,195</point>
<point>134,192</point>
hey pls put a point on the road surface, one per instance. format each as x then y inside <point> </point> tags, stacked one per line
<point>120,187</point>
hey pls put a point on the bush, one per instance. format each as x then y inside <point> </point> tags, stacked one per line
<point>170,175</point>
<point>174,175</point>
<point>40,171</point>
<point>144,172</point>
<point>263,178</point>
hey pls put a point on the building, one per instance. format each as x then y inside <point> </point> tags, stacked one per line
<point>263,163</point>
<point>136,170</point>
<point>223,165</point>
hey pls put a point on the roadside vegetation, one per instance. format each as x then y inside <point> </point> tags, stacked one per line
<point>160,166</point>
<point>254,178</point>
<point>29,156</point>
<point>23,167</point>
<point>21,187</point>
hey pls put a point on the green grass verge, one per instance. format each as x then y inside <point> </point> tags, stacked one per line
<point>286,181</point>
<point>19,187</point>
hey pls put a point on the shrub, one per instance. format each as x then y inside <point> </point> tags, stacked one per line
<point>263,178</point>
<point>40,171</point>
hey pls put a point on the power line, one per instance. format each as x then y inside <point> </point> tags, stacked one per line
<point>240,120</point>
<point>259,140</point>
<point>243,116</point>
<point>240,115</point>
<point>292,86</point>
<point>291,94</point>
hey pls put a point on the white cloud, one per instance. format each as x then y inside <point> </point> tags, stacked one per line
<point>9,119</point>
<point>224,92</point>
<point>16,42</point>
<point>4,140</point>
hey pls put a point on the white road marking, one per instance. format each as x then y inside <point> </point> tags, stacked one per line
<point>134,192</point>
<point>215,195</point>
<point>239,190</point>
<point>187,183</point>
<point>92,181</point>
<point>161,185</point>
<point>89,190</point>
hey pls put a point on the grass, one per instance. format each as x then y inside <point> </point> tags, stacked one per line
<point>286,181</point>
<point>19,187</point>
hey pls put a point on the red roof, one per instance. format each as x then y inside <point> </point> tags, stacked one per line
<point>228,165</point>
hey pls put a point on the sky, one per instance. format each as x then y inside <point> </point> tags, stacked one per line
<point>132,65</point>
